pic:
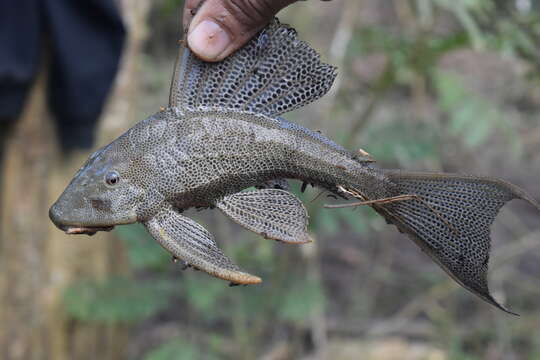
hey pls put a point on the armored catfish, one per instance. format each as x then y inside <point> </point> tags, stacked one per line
<point>221,134</point>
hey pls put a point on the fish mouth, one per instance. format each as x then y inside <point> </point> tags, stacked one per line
<point>63,220</point>
<point>88,230</point>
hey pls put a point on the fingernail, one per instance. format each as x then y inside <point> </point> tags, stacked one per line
<point>208,40</point>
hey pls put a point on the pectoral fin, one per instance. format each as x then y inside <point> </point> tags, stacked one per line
<point>187,240</point>
<point>273,213</point>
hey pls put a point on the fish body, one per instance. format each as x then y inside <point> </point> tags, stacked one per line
<point>222,134</point>
<point>208,154</point>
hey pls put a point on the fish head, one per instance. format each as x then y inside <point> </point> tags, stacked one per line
<point>102,194</point>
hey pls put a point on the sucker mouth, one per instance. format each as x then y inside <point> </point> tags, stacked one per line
<point>76,230</point>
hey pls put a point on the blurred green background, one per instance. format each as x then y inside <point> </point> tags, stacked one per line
<point>449,85</point>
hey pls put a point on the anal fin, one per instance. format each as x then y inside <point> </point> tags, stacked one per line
<point>272,213</point>
<point>188,241</point>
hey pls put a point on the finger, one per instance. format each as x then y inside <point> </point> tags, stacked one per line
<point>190,9</point>
<point>220,27</point>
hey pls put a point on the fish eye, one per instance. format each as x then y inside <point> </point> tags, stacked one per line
<point>112,178</point>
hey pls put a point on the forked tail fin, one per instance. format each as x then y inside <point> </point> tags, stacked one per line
<point>272,74</point>
<point>449,217</point>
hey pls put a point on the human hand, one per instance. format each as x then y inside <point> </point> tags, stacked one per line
<point>216,28</point>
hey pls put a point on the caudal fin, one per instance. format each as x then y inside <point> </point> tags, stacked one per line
<point>272,74</point>
<point>449,217</point>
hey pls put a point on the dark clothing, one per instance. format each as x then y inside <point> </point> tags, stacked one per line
<point>84,41</point>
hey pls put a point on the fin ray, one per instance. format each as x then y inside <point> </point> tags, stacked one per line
<point>471,209</point>
<point>272,213</point>
<point>272,74</point>
<point>192,243</point>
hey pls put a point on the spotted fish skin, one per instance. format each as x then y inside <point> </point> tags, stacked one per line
<point>209,153</point>
<point>222,133</point>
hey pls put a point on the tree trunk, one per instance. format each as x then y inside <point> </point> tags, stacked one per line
<point>37,261</point>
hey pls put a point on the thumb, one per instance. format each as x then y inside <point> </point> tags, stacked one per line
<point>219,27</point>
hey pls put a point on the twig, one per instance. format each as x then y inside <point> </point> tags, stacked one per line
<point>382,85</point>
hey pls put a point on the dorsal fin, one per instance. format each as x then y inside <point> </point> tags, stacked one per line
<point>272,74</point>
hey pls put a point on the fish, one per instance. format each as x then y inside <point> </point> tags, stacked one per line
<point>221,143</point>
